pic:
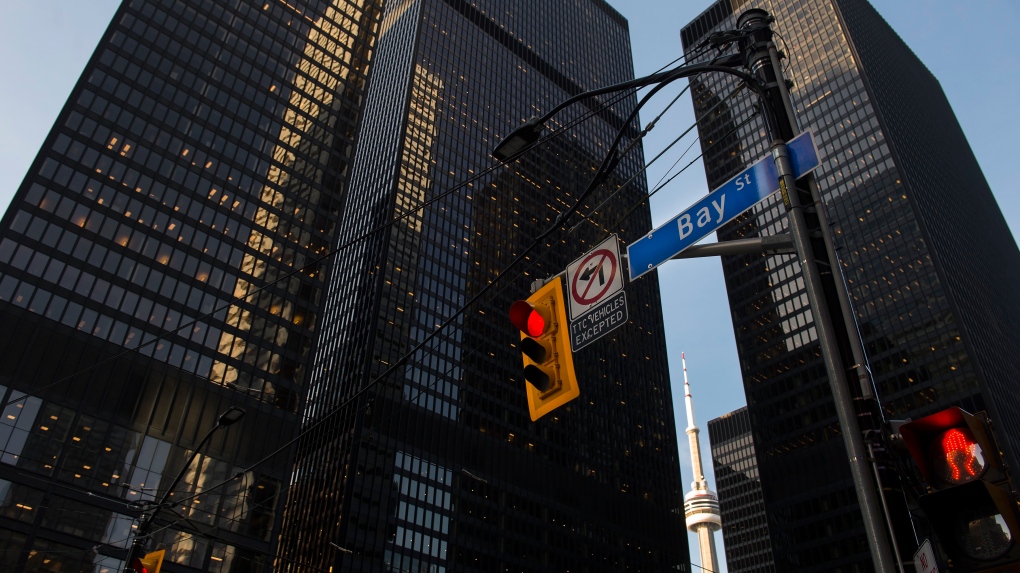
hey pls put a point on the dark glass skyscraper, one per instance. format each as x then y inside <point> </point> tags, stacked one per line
<point>166,258</point>
<point>927,257</point>
<point>201,157</point>
<point>745,526</point>
<point>433,463</point>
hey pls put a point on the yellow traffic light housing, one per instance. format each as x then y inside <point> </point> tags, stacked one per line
<point>151,563</point>
<point>545,344</point>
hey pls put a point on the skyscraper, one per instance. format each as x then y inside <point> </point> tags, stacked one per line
<point>202,156</point>
<point>199,175</point>
<point>745,527</point>
<point>931,301</point>
<point>433,463</point>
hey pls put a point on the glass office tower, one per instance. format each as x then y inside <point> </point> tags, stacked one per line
<point>745,526</point>
<point>431,463</point>
<point>927,257</point>
<point>158,265</point>
<point>168,254</point>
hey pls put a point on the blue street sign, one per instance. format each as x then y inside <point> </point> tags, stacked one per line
<point>718,207</point>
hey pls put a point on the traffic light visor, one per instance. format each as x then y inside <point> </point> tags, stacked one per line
<point>956,457</point>
<point>151,563</point>
<point>527,319</point>
<point>952,447</point>
<point>983,534</point>
<point>977,524</point>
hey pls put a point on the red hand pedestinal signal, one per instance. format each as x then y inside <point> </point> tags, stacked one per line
<point>959,451</point>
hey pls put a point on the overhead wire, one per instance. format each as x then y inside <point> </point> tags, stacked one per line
<point>349,401</point>
<point>206,491</point>
<point>398,218</point>
<point>365,236</point>
<point>243,298</point>
<point>449,320</point>
<point>349,243</point>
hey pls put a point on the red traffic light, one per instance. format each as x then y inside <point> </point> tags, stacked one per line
<point>547,356</point>
<point>527,318</point>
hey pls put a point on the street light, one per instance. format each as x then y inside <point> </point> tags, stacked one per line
<point>530,131</point>
<point>228,418</point>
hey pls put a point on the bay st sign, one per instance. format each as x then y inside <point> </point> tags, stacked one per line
<point>719,207</point>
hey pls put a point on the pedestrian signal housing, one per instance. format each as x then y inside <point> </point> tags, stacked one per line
<point>151,563</point>
<point>972,508</point>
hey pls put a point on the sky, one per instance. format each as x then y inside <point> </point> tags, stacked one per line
<point>44,45</point>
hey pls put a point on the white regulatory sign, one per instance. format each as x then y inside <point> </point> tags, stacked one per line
<point>924,559</point>
<point>594,277</point>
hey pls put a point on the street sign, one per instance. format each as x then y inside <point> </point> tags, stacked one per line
<point>924,559</point>
<point>599,321</point>
<point>594,277</point>
<point>719,207</point>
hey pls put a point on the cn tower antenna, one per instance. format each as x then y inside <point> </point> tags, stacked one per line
<point>701,506</point>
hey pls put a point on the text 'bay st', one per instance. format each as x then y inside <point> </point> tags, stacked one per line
<point>717,208</point>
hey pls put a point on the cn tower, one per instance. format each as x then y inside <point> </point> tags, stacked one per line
<point>701,506</point>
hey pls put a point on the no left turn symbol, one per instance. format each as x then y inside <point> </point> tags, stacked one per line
<point>594,277</point>
<point>594,269</point>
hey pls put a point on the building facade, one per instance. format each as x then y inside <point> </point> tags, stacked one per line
<point>212,222</point>
<point>931,300</point>
<point>430,462</point>
<point>744,524</point>
<point>158,265</point>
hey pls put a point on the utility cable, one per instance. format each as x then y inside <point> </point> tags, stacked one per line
<point>661,153</point>
<point>430,386</point>
<point>284,490</point>
<point>609,161</point>
<point>243,298</point>
<point>347,403</point>
<point>365,236</point>
<point>700,155</point>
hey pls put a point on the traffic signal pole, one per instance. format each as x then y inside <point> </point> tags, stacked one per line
<point>762,60</point>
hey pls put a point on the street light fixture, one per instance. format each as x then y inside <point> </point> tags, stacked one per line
<point>530,131</point>
<point>228,418</point>
<point>519,139</point>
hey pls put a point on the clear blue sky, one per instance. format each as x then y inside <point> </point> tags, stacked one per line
<point>44,44</point>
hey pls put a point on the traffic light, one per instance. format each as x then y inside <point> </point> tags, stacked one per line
<point>151,563</point>
<point>545,343</point>
<point>972,509</point>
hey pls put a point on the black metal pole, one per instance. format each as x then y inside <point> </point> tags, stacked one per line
<point>146,518</point>
<point>760,58</point>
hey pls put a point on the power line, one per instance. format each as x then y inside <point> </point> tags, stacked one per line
<point>365,236</point>
<point>348,402</point>
<point>475,299</point>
